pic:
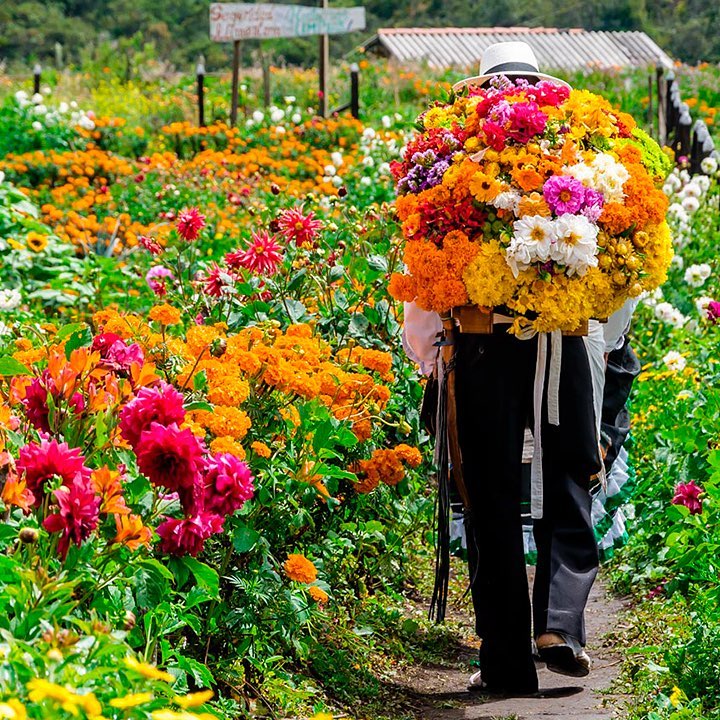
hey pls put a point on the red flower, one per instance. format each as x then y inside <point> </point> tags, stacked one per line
<point>162,404</point>
<point>262,256</point>
<point>174,459</point>
<point>189,223</point>
<point>688,494</point>
<point>228,484</point>
<point>41,462</point>
<point>36,401</point>
<point>150,244</point>
<point>77,513</point>
<point>298,228</point>
<point>217,280</point>
<point>187,536</point>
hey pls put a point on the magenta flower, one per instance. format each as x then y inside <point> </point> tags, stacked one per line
<point>36,401</point>
<point>187,536</point>
<point>217,280</point>
<point>162,404</point>
<point>156,277</point>
<point>564,194</point>
<point>526,121</point>
<point>150,244</point>
<point>40,462</point>
<point>228,484</point>
<point>593,205</point>
<point>78,510</point>
<point>713,311</point>
<point>299,228</point>
<point>173,458</point>
<point>688,494</point>
<point>262,256</point>
<point>189,223</point>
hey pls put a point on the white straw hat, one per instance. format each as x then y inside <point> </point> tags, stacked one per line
<point>509,59</point>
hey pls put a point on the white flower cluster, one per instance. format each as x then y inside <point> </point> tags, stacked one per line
<point>674,361</point>
<point>686,193</point>
<point>604,174</point>
<point>696,275</point>
<point>67,113</point>
<point>569,240</point>
<point>9,299</point>
<point>669,314</point>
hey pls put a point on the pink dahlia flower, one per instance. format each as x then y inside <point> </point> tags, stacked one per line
<point>40,462</point>
<point>688,494</point>
<point>174,459</point>
<point>526,121</point>
<point>150,244</point>
<point>564,194</point>
<point>187,536</point>
<point>189,223</point>
<point>162,404</point>
<point>713,311</point>
<point>228,484</point>
<point>299,228</point>
<point>156,277</point>
<point>217,281</point>
<point>262,256</point>
<point>78,510</point>
<point>36,405</point>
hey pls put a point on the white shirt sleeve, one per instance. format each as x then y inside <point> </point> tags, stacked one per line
<point>420,333</point>
<point>618,324</point>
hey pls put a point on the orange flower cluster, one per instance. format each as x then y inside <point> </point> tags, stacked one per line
<point>299,569</point>
<point>385,465</point>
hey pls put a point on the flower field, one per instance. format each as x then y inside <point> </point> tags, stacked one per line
<point>217,495</point>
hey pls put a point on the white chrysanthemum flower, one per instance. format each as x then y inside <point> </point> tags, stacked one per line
<point>530,243</point>
<point>367,161</point>
<point>330,170</point>
<point>296,118</point>
<point>368,133</point>
<point>386,121</point>
<point>693,189</point>
<point>696,275</point>
<point>507,200</point>
<point>691,204</point>
<point>702,304</point>
<point>677,262</point>
<point>258,117</point>
<point>664,311</point>
<point>704,182</point>
<point>277,115</point>
<point>337,159</point>
<point>289,99</point>
<point>365,181</point>
<point>709,165</point>
<point>86,123</point>
<point>9,299</point>
<point>37,125</point>
<point>337,181</point>
<point>674,361</point>
<point>5,329</point>
<point>384,168</point>
<point>575,243</point>
<point>2,176</point>
<point>678,212</point>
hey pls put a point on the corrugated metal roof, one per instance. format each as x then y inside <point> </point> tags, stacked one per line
<point>561,49</point>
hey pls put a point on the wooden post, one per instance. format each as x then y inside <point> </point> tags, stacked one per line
<point>695,145</point>
<point>661,105</point>
<point>235,72</point>
<point>355,90</point>
<point>37,71</point>
<point>266,74</point>
<point>324,68</point>
<point>684,125</point>
<point>650,115</point>
<point>200,72</point>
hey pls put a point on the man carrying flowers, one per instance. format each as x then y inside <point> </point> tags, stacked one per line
<point>529,211</point>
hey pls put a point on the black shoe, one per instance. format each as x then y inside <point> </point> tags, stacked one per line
<point>563,654</point>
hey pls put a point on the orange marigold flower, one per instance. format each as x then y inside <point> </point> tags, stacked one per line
<point>410,455</point>
<point>165,314</point>
<point>227,444</point>
<point>528,178</point>
<point>298,568</point>
<point>15,493</point>
<point>260,449</point>
<point>318,594</point>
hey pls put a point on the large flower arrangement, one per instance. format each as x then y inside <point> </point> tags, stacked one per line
<point>535,198</point>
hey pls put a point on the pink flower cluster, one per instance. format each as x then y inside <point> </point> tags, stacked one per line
<point>688,494</point>
<point>36,404</point>
<point>566,195</point>
<point>209,487</point>
<point>519,121</point>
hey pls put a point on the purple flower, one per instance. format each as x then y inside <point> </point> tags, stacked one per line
<point>713,311</point>
<point>688,494</point>
<point>593,204</point>
<point>564,194</point>
<point>155,278</point>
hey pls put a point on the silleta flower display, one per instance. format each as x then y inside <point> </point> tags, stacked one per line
<point>537,199</point>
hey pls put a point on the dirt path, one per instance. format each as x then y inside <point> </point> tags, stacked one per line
<point>440,693</point>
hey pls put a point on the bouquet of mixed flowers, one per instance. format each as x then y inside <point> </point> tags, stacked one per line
<point>537,199</point>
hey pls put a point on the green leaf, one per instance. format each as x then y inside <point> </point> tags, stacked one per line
<point>244,538</point>
<point>67,330</point>
<point>80,338</point>
<point>199,672</point>
<point>199,405</point>
<point>9,367</point>
<point>205,576</point>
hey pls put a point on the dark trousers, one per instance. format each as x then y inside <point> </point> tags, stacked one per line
<point>494,387</point>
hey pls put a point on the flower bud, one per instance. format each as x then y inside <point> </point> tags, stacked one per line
<point>275,189</point>
<point>28,535</point>
<point>218,347</point>
<point>130,620</point>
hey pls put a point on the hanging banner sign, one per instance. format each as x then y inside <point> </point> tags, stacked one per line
<point>244,21</point>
